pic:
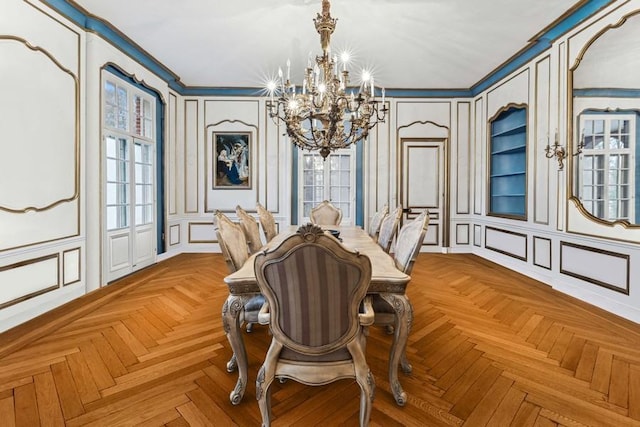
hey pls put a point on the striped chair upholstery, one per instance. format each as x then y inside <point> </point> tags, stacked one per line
<point>314,287</point>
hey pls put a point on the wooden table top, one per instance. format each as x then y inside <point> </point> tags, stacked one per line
<point>385,277</point>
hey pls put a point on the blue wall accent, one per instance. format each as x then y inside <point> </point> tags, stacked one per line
<point>606,93</point>
<point>159,153</point>
<point>77,15</point>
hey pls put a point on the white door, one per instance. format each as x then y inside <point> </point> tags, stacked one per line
<point>129,236</point>
<point>422,186</point>
<point>332,179</point>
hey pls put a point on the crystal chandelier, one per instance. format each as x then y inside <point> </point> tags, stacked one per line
<point>321,115</point>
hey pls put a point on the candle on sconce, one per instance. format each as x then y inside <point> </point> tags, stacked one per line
<point>373,91</point>
<point>383,96</point>
<point>288,69</point>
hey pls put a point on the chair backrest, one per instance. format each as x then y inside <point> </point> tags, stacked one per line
<point>326,214</point>
<point>388,229</point>
<point>409,241</point>
<point>314,287</point>
<point>267,221</point>
<point>233,243</point>
<point>251,230</point>
<point>376,221</point>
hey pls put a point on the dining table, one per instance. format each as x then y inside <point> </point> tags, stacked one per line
<point>386,281</point>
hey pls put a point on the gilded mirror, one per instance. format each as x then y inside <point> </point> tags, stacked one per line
<point>605,125</point>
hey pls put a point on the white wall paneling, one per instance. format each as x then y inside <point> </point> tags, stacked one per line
<point>477,235</point>
<point>71,266</point>
<point>378,168</point>
<point>191,157</point>
<point>506,242</point>
<point>174,234</point>
<point>479,165</point>
<point>542,256</point>
<point>460,153</point>
<point>202,232</point>
<point>462,234</point>
<point>171,155</point>
<point>514,90</point>
<point>542,135</point>
<point>39,73</point>
<point>233,116</point>
<point>29,278</point>
<point>597,266</point>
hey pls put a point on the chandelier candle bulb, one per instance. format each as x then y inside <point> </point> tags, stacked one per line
<point>323,117</point>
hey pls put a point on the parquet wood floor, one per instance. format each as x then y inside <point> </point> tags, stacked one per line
<point>489,347</point>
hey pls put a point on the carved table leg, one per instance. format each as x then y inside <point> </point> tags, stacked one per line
<point>231,311</point>
<point>404,318</point>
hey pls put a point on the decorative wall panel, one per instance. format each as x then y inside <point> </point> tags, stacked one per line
<point>191,158</point>
<point>41,162</point>
<point>506,242</point>
<point>462,159</point>
<point>71,266</point>
<point>28,279</point>
<point>202,232</point>
<point>462,234</point>
<point>542,252</point>
<point>600,267</point>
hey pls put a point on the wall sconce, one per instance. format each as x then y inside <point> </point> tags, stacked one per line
<point>556,150</point>
<point>580,144</point>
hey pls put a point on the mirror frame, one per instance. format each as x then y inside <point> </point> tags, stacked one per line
<point>571,121</point>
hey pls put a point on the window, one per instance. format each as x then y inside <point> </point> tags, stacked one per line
<point>508,163</point>
<point>606,169</point>
<point>331,180</point>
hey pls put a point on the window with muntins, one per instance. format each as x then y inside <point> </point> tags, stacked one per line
<point>606,165</point>
<point>508,163</point>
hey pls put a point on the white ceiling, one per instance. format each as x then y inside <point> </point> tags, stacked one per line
<point>409,44</point>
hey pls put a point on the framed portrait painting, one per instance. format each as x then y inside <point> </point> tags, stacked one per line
<point>232,160</point>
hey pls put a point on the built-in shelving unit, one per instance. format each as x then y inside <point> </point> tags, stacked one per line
<point>508,163</point>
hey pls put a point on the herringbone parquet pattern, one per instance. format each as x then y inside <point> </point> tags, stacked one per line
<point>488,347</point>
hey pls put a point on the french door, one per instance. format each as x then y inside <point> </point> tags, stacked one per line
<point>129,183</point>
<point>332,179</point>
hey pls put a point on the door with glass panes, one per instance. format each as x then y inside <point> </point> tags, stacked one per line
<point>129,237</point>
<point>332,179</point>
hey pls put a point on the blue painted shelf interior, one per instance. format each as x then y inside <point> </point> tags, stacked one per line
<point>508,163</point>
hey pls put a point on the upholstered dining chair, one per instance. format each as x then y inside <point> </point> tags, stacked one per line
<point>407,248</point>
<point>233,246</point>
<point>314,287</point>
<point>251,230</point>
<point>376,221</point>
<point>326,214</point>
<point>388,229</point>
<point>267,221</point>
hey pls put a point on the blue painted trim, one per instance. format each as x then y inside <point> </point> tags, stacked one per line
<point>78,16</point>
<point>360,184</point>
<point>543,43</point>
<point>294,185</point>
<point>160,247</point>
<point>606,93</point>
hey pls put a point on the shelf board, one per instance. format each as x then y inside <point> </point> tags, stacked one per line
<point>499,175</point>
<point>521,128</point>
<point>519,148</point>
